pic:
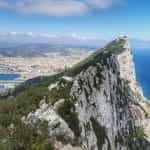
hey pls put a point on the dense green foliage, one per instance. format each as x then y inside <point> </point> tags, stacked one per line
<point>16,135</point>
<point>116,46</point>
<point>42,81</point>
<point>61,91</point>
<point>140,133</point>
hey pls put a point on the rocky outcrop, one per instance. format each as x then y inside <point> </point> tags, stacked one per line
<point>127,70</point>
<point>100,109</point>
<point>56,125</point>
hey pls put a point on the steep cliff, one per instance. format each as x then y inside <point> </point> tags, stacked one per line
<point>127,70</point>
<point>92,106</point>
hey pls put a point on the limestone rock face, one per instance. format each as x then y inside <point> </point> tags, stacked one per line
<point>127,70</point>
<point>56,125</point>
<point>104,108</point>
<point>101,107</point>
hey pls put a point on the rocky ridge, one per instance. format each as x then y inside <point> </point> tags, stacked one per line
<point>96,105</point>
<point>105,100</point>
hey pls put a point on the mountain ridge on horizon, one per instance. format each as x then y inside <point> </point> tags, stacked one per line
<point>74,40</point>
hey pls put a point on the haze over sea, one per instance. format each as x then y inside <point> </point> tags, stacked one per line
<point>142,64</point>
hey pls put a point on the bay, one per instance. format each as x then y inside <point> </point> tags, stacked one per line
<point>142,65</point>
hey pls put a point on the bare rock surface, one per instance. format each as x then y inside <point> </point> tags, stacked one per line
<point>103,106</point>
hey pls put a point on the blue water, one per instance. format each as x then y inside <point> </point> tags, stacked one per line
<point>142,65</point>
<point>9,76</point>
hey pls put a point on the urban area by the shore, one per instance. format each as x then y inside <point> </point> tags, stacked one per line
<point>30,67</point>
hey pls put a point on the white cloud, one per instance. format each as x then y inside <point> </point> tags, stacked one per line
<point>53,8</point>
<point>4,4</point>
<point>101,3</point>
<point>57,7</point>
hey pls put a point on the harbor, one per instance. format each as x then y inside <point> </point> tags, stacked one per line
<point>9,81</point>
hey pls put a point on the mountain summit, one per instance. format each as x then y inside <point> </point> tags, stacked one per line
<point>93,106</point>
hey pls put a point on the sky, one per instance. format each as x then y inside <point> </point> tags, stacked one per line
<point>85,20</point>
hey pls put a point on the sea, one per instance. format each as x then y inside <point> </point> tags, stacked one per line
<point>142,65</point>
<point>9,77</point>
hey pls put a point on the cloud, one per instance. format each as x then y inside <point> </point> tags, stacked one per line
<point>54,8</point>
<point>102,3</point>
<point>4,4</point>
<point>57,7</point>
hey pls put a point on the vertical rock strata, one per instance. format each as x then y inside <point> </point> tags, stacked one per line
<point>127,70</point>
<point>103,103</point>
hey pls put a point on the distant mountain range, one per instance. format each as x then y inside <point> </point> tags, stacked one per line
<point>37,49</point>
<point>66,39</point>
<point>28,44</point>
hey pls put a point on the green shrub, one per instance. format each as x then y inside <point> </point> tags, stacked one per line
<point>46,145</point>
<point>115,46</point>
<point>60,92</point>
<point>25,137</point>
<point>140,133</point>
<point>14,134</point>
